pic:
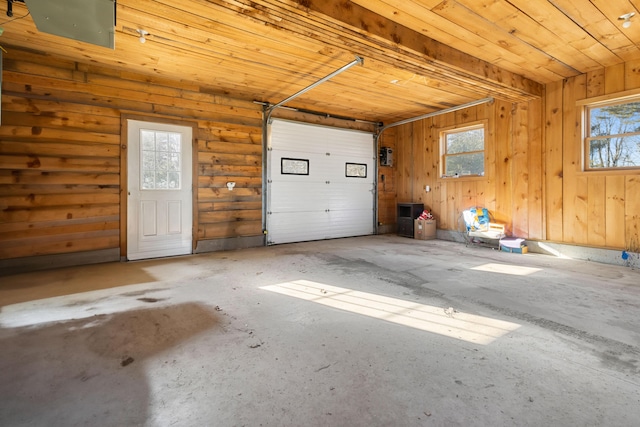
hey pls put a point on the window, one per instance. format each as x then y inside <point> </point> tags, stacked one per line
<point>462,151</point>
<point>612,131</point>
<point>356,170</point>
<point>160,160</point>
<point>294,166</point>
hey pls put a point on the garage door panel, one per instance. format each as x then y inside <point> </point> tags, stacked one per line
<point>295,137</point>
<point>350,196</point>
<point>298,227</point>
<point>351,223</point>
<point>352,145</point>
<point>316,165</point>
<point>286,197</point>
<point>339,206</point>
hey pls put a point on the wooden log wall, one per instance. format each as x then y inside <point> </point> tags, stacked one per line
<point>63,161</point>
<point>60,164</point>
<point>595,208</point>
<point>512,188</point>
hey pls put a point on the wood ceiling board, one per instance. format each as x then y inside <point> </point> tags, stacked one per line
<point>591,19</point>
<point>612,10</point>
<point>510,20</point>
<point>185,60</point>
<point>431,24</point>
<point>482,26</point>
<point>418,63</point>
<point>393,38</point>
<point>561,25</point>
<point>228,41</point>
<point>268,49</point>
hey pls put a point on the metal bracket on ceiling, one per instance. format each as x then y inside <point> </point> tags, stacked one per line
<point>10,7</point>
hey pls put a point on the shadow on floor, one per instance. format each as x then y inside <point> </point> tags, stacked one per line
<point>91,371</point>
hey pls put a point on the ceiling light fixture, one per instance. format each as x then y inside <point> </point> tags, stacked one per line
<point>627,19</point>
<point>143,33</point>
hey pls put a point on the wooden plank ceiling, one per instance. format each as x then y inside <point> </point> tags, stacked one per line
<point>419,55</point>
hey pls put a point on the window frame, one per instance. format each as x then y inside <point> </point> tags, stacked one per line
<point>442,145</point>
<point>586,106</point>
<point>141,166</point>
<point>346,170</point>
<point>283,166</point>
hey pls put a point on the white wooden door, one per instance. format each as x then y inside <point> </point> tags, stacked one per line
<point>320,183</point>
<point>159,213</point>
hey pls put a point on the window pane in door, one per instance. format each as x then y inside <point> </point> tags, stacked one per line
<point>160,161</point>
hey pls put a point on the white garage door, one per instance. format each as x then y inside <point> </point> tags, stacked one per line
<point>320,183</point>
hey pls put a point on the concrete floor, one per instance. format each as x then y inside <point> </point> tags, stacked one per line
<point>371,331</point>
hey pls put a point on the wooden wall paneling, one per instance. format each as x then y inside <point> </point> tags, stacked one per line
<point>420,160</point>
<point>536,166</point>
<point>504,164</point>
<point>62,164</point>
<point>469,194</point>
<point>224,230</point>
<point>570,157</point>
<point>614,211</point>
<point>54,108</point>
<point>404,149</point>
<point>63,191</point>
<point>454,195</point>
<point>489,190</point>
<point>596,210</point>
<point>466,115</point>
<point>632,75</point>
<point>448,194</point>
<point>581,210</point>
<point>430,165</point>
<point>387,185</point>
<point>614,79</point>
<point>632,213</point>
<point>520,168</point>
<point>67,179</point>
<point>19,232</point>
<point>68,243</point>
<point>239,150</point>
<point>441,210</point>
<point>554,161</point>
<point>596,83</point>
<point>13,219</point>
<point>576,182</point>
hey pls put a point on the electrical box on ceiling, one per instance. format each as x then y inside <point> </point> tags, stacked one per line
<point>386,156</point>
<point>89,21</point>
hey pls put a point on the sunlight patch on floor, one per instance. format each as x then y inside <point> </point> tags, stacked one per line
<point>439,320</point>
<point>514,270</point>
<point>74,306</point>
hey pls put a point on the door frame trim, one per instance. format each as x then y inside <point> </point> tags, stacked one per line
<point>124,174</point>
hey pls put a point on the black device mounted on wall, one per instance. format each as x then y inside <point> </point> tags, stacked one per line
<point>386,156</point>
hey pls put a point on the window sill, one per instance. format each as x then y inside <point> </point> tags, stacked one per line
<point>609,172</point>
<point>461,178</point>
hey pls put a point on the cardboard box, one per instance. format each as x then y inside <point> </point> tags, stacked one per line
<point>424,229</point>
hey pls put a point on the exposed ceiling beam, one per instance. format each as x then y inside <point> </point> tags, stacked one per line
<point>419,53</point>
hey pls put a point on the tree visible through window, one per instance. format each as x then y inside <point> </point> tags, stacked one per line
<point>613,136</point>
<point>462,151</point>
